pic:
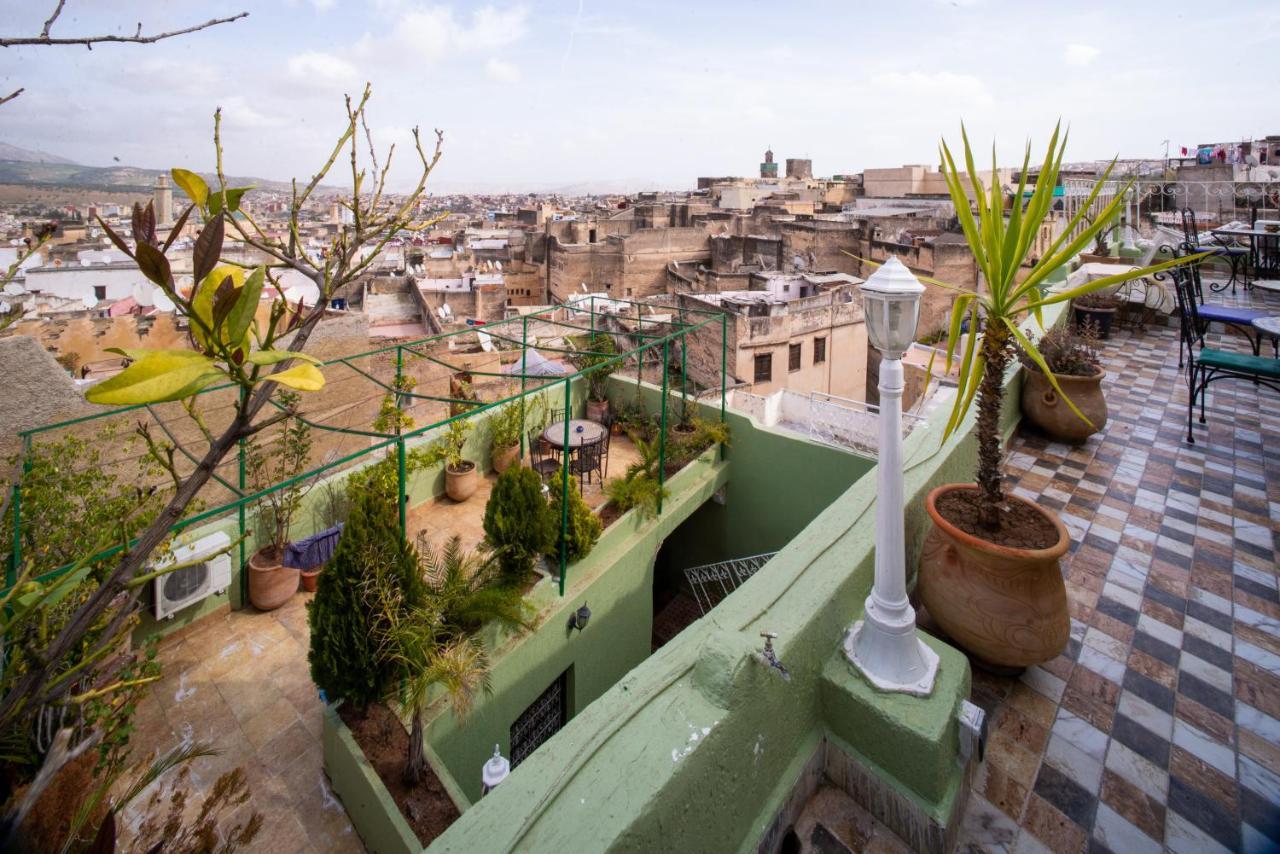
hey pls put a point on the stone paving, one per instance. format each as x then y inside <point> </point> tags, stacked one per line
<point>239,681</point>
<point>1159,726</point>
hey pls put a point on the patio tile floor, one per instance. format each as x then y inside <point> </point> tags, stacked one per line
<point>1159,726</point>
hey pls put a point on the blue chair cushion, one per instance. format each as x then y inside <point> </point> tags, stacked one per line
<point>1228,313</point>
<point>1227,250</point>
<point>1240,362</point>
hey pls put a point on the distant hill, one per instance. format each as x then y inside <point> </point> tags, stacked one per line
<point>24,167</point>
<point>26,155</point>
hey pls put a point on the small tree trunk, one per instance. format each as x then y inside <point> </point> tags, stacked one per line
<point>415,764</point>
<point>995,350</point>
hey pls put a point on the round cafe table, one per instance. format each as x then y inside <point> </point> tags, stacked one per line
<point>581,432</point>
<point>1270,326</point>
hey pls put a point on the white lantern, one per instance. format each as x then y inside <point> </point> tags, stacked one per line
<point>495,770</point>
<point>892,300</point>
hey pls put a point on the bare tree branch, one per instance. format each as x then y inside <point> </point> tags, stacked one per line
<point>89,41</point>
<point>44,33</point>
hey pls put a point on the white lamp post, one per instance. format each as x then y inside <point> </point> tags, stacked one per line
<point>883,645</point>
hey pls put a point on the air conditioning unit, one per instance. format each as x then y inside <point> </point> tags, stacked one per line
<point>204,577</point>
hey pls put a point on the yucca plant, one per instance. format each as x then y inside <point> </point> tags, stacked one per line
<point>1001,248</point>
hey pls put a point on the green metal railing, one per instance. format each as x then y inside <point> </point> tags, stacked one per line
<point>244,498</point>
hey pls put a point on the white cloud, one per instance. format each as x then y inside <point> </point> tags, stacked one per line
<point>321,68</point>
<point>322,5</point>
<point>503,72</point>
<point>435,32</point>
<point>1080,54</point>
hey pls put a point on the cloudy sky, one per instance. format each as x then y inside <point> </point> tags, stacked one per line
<point>543,93</point>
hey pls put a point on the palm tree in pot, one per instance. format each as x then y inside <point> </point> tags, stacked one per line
<point>989,570</point>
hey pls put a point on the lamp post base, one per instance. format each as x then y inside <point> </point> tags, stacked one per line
<point>898,663</point>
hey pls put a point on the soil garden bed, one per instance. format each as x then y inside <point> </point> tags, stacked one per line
<point>1021,526</point>
<point>427,807</point>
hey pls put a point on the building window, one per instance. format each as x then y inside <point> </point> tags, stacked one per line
<point>819,350</point>
<point>99,291</point>
<point>793,358</point>
<point>764,368</point>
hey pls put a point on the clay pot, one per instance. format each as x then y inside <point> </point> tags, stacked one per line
<point>597,410</point>
<point>310,578</point>
<point>504,458</point>
<point>461,483</point>
<point>1006,606</point>
<point>270,582</point>
<point>1044,408</point>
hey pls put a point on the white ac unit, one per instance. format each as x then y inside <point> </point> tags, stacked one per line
<point>180,588</point>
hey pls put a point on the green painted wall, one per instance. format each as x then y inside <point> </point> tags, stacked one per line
<point>615,581</point>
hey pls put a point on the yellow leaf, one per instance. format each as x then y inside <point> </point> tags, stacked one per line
<point>156,377</point>
<point>301,377</point>
<point>193,185</point>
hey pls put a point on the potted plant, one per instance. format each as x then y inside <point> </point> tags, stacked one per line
<point>584,527</point>
<point>640,486</point>
<point>1095,310</point>
<point>989,572</point>
<point>1069,352</point>
<point>504,448</point>
<point>461,478</point>
<point>1101,249</point>
<point>597,363</point>
<point>271,583</point>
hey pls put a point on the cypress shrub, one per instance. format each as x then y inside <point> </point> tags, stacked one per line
<point>346,617</point>
<point>517,522</point>
<point>584,526</point>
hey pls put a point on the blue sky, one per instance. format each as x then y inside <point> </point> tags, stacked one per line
<point>540,94</point>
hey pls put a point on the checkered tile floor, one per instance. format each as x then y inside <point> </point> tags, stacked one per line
<point>1159,726</point>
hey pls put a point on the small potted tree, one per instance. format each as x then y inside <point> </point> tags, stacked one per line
<point>584,527</point>
<point>1072,358</point>
<point>989,572</point>
<point>461,478</point>
<point>504,449</point>
<point>271,583</point>
<point>596,364</point>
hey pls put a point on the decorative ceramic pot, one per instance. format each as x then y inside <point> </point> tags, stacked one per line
<point>461,483</point>
<point>597,410</point>
<point>1099,318</point>
<point>1006,606</point>
<point>271,583</point>
<point>1044,407</point>
<point>504,458</point>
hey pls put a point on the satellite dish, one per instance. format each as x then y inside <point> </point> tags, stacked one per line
<point>90,301</point>
<point>144,294</point>
<point>162,301</point>
<point>13,289</point>
<point>498,264</point>
<point>4,307</point>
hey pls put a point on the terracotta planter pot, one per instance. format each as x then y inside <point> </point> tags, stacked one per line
<point>504,458</point>
<point>310,578</point>
<point>1006,606</point>
<point>270,582</point>
<point>461,483</point>
<point>1044,408</point>
<point>597,409</point>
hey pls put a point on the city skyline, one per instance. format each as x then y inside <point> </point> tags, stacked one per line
<point>543,96</point>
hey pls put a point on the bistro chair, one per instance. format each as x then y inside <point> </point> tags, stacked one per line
<point>1234,317</point>
<point>585,461</point>
<point>542,457</point>
<point>1208,364</point>
<point>1236,256</point>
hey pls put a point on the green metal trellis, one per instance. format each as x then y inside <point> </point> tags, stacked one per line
<point>245,498</point>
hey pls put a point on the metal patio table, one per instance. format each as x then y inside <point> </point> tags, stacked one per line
<point>1270,326</point>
